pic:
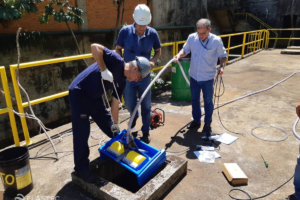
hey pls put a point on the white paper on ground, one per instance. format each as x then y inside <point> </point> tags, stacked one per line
<point>226,138</point>
<point>207,156</point>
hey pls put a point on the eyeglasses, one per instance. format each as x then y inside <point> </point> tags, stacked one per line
<point>203,34</point>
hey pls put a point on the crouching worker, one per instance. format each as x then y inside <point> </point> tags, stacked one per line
<point>86,100</point>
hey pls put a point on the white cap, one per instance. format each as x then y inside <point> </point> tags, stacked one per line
<point>142,15</point>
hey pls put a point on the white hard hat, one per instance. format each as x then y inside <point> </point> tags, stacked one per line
<point>142,15</point>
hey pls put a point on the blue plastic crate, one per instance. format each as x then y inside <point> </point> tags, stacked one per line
<point>154,158</point>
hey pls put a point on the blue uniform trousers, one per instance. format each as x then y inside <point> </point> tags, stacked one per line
<point>82,108</point>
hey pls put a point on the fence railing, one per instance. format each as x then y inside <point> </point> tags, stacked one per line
<point>286,37</point>
<point>262,24</point>
<point>258,40</point>
<point>9,107</point>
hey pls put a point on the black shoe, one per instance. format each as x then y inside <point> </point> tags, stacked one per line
<point>134,122</point>
<point>87,176</point>
<point>134,134</point>
<point>194,125</point>
<point>206,128</point>
<point>146,138</point>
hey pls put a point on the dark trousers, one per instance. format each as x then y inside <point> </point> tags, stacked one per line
<point>82,108</point>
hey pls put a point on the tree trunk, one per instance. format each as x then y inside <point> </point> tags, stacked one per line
<point>123,12</point>
<point>76,43</point>
<point>148,2</point>
<point>117,24</point>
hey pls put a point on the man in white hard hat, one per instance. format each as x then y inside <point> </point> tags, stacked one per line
<point>138,40</point>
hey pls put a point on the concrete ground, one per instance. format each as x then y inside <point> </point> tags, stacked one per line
<point>206,181</point>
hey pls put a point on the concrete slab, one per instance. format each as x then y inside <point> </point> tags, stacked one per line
<point>294,47</point>
<point>171,173</point>
<point>290,51</point>
<point>203,181</point>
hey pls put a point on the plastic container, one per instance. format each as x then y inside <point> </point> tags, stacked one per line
<point>154,158</point>
<point>15,171</point>
<point>180,88</point>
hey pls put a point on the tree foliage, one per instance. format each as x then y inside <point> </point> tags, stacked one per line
<point>13,9</point>
<point>61,11</point>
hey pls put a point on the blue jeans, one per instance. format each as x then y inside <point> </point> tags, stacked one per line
<point>130,99</point>
<point>207,90</point>
<point>82,108</point>
<point>297,178</point>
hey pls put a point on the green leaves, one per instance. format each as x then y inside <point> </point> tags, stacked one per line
<point>44,19</point>
<point>12,10</point>
<point>49,9</point>
<point>59,9</point>
<point>71,14</point>
<point>26,5</point>
<point>9,12</point>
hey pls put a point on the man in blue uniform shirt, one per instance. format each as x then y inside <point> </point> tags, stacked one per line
<point>138,40</point>
<point>86,100</point>
<point>206,48</point>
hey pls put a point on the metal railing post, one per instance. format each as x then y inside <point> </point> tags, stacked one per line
<point>243,49</point>
<point>19,103</point>
<point>229,38</point>
<point>9,105</point>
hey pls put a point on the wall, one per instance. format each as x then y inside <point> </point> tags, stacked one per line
<point>187,13</point>
<point>178,12</point>
<point>223,4</point>
<point>30,22</point>
<point>99,14</point>
<point>272,11</point>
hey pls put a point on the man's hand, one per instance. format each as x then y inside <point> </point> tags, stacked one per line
<point>107,75</point>
<point>115,128</point>
<point>176,58</point>
<point>152,64</point>
<point>221,70</point>
<point>298,109</point>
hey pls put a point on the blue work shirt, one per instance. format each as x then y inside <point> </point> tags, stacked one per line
<point>204,55</point>
<point>133,46</point>
<point>89,80</point>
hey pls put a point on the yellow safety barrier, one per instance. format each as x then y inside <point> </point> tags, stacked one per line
<point>284,40</point>
<point>257,39</point>
<point>9,105</point>
<point>257,42</point>
<point>22,105</point>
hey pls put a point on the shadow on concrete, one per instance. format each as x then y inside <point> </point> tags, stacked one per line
<point>189,138</point>
<point>74,192</point>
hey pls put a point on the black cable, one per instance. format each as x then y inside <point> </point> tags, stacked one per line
<point>218,82</point>
<point>250,198</point>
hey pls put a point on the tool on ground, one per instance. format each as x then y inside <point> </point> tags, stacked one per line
<point>156,118</point>
<point>266,164</point>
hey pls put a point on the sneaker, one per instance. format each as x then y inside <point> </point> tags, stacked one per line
<point>146,138</point>
<point>87,176</point>
<point>206,129</point>
<point>194,125</point>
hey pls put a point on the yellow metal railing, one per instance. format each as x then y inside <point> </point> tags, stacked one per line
<point>262,24</point>
<point>9,105</point>
<point>259,41</point>
<point>286,41</point>
<point>21,105</point>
